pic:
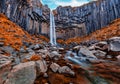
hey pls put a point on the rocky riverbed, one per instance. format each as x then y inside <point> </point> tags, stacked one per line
<point>97,63</point>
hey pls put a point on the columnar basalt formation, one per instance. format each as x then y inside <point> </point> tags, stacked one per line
<point>70,21</point>
<point>94,15</point>
<point>29,14</point>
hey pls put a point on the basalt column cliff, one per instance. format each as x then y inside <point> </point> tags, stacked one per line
<point>29,14</point>
<point>70,21</point>
<point>79,21</point>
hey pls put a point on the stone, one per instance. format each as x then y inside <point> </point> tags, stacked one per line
<point>66,70</point>
<point>109,56</point>
<point>27,56</point>
<point>4,70</point>
<point>43,53</point>
<point>76,47</point>
<point>118,57</point>
<point>85,51</point>
<point>1,44</point>
<point>41,66</point>
<point>24,73</point>
<point>53,48</point>
<point>54,54</point>
<point>37,47</point>
<point>8,49</point>
<point>45,75</point>
<point>22,50</point>
<point>114,44</point>
<point>99,53</point>
<point>54,67</point>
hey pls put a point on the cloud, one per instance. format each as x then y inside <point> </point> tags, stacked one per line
<point>72,3</point>
<point>55,3</point>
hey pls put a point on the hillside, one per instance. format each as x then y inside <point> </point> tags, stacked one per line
<point>107,32</point>
<point>13,35</point>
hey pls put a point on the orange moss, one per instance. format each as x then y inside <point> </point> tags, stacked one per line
<point>61,41</point>
<point>14,35</point>
<point>35,58</point>
<point>105,33</point>
<point>44,38</point>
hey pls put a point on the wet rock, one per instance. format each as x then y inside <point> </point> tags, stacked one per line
<point>118,57</point>
<point>114,44</point>
<point>8,49</point>
<point>37,47</point>
<point>5,67</point>
<point>27,56</point>
<point>99,53</point>
<point>24,73</point>
<point>45,75</point>
<point>109,56</point>
<point>43,53</point>
<point>41,66</point>
<point>66,70</point>
<point>22,50</point>
<point>54,67</point>
<point>54,54</point>
<point>53,48</point>
<point>76,48</point>
<point>85,51</point>
<point>61,50</point>
<point>97,61</point>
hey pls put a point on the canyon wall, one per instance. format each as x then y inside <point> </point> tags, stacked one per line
<point>94,15</point>
<point>70,21</point>
<point>29,14</point>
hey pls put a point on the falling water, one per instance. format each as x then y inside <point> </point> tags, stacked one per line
<point>52,30</point>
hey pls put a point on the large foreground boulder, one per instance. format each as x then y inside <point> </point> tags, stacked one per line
<point>5,67</point>
<point>24,73</point>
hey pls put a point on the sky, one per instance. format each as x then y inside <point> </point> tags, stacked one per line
<point>55,3</point>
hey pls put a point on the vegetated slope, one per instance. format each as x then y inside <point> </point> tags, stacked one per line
<point>107,32</point>
<point>13,35</point>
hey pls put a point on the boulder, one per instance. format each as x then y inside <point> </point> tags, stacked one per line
<point>41,66</point>
<point>43,53</point>
<point>8,49</point>
<point>85,51</point>
<point>24,73</point>
<point>99,53</point>
<point>27,56</point>
<point>54,67</point>
<point>114,44</point>
<point>118,57</point>
<point>54,54</point>
<point>66,70</point>
<point>37,47</point>
<point>5,67</point>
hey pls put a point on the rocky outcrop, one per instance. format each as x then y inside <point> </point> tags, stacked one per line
<point>29,14</point>
<point>93,15</point>
<point>24,73</point>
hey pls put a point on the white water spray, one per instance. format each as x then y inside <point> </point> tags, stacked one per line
<point>52,30</point>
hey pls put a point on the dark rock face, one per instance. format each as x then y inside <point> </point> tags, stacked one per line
<point>94,15</point>
<point>70,21</point>
<point>29,14</point>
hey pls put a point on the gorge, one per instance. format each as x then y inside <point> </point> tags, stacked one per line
<point>70,21</point>
<point>68,45</point>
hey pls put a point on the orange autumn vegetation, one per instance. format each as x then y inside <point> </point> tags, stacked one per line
<point>61,41</point>
<point>44,38</point>
<point>107,32</point>
<point>35,58</point>
<point>12,34</point>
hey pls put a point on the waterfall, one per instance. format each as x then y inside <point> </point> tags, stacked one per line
<point>52,30</point>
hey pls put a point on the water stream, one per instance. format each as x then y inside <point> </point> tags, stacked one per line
<point>52,29</point>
